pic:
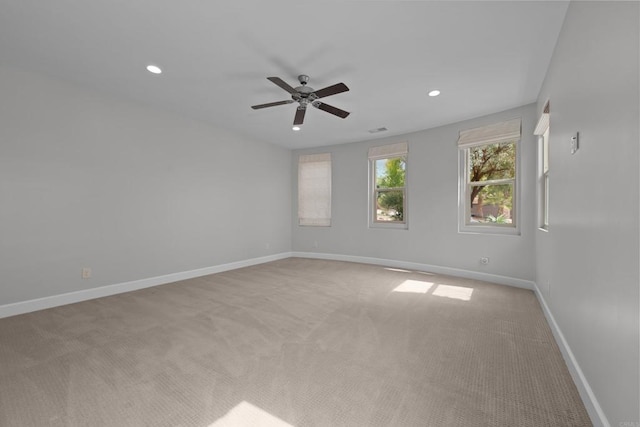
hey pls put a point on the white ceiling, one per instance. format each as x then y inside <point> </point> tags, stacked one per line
<point>484,57</point>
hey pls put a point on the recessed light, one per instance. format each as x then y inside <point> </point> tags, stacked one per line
<point>154,69</point>
<point>434,93</point>
<point>296,128</point>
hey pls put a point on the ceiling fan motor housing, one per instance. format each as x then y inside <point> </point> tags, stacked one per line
<point>305,95</point>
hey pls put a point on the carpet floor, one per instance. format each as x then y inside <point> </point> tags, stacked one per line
<point>295,342</point>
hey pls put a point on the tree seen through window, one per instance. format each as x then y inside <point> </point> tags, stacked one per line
<point>390,189</point>
<point>492,171</point>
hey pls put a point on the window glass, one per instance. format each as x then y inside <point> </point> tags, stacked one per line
<point>490,190</point>
<point>390,189</point>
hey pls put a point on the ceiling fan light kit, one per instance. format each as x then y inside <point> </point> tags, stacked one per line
<point>305,95</point>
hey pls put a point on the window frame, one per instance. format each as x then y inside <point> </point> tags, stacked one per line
<point>543,220</point>
<point>542,131</point>
<point>464,203</point>
<point>373,190</point>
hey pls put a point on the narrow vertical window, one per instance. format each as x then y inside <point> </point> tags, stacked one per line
<point>314,189</point>
<point>388,186</point>
<point>542,131</point>
<point>488,177</point>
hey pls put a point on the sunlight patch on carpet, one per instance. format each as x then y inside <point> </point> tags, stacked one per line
<point>414,286</point>
<point>455,292</point>
<point>397,269</point>
<point>244,414</point>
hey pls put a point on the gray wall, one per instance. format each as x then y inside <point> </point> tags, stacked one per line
<point>432,175</point>
<point>88,181</point>
<point>587,264</point>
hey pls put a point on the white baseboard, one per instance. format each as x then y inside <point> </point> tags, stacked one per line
<point>467,274</point>
<point>103,291</point>
<point>598,418</point>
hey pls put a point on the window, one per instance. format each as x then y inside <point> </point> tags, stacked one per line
<point>542,131</point>
<point>387,183</point>
<point>488,178</point>
<point>314,189</point>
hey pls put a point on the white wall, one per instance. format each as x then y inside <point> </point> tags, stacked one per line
<point>432,175</point>
<point>587,264</point>
<point>133,193</point>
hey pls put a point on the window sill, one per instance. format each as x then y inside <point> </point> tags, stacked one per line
<point>488,229</point>
<point>390,226</point>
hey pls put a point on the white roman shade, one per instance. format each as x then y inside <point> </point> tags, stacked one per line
<point>543,123</point>
<point>496,133</point>
<point>314,189</point>
<point>388,151</point>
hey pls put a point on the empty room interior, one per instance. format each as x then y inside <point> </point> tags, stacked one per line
<point>330,213</point>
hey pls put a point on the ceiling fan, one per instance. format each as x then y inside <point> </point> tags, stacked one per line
<point>304,95</point>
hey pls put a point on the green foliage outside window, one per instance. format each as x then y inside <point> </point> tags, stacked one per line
<point>390,182</point>
<point>493,162</point>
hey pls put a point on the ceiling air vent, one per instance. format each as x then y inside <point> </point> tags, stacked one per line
<point>382,129</point>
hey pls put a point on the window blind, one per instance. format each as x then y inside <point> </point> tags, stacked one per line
<point>314,189</point>
<point>543,123</point>
<point>386,151</point>
<point>496,133</point>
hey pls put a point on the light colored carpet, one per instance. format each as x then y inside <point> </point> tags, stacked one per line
<point>295,342</point>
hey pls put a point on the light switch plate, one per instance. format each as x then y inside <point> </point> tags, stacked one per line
<point>575,143</point>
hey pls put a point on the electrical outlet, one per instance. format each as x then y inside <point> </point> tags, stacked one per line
<point>86,273</point>
<point>315,244</point>
<point>484,260</point>
<point>267,246</point>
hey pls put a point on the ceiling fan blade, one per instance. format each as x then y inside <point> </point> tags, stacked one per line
<point>272,104</point>
<point>331,109</point>
<point>278,81</point>
<point>331,90</point>
<point>299,118</point>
